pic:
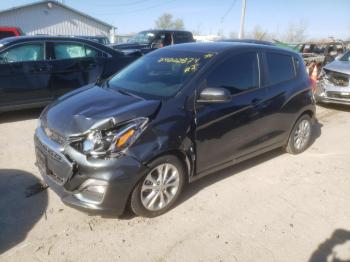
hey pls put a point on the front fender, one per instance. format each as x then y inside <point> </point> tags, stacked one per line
<point>168,137</point>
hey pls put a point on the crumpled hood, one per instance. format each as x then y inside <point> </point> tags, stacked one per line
<point>339,66</point>
<point>94,108</point>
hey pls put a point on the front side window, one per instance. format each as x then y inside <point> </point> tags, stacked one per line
<point>23,53</point>
<point>237,74</point>
<point>74,50</point>
<point>280,68</point>
<point>160,74</point>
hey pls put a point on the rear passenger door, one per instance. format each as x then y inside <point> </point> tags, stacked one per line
<point>74,65</point>
<point>279,81</point>
<point>226,131</point>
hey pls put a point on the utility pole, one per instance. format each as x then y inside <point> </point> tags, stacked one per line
<point>241,30</point>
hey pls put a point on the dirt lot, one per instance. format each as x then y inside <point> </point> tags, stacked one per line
<point>276,207</point>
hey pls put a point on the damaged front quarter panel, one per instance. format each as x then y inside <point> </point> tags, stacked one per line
<point>168,136</point>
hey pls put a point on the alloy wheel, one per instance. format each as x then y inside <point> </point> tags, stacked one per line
<point>160,187</point>
<point>302,134</point>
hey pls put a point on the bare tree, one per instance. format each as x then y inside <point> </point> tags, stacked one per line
<point>296,32</point>
<point>179,24</point>
<point>258,33</point>
<point>166,21</point>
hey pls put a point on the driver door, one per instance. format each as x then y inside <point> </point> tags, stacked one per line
<point>225,131</point>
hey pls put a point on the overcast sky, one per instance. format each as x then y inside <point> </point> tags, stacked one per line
<point>323,18</point>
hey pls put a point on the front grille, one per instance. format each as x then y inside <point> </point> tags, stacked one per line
<point>337,79</point>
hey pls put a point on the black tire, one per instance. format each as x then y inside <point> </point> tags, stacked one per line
<point>291,147</point>
<point>136,204</point>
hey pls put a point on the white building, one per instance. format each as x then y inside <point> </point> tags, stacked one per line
<point>54,18</point>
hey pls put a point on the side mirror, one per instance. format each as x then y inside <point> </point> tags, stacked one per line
<point>214,95</point>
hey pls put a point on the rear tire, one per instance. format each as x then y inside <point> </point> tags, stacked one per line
<point>160,188</point>
<point>300,137</point>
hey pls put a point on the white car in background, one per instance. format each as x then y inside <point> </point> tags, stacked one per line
<point>334,81</point>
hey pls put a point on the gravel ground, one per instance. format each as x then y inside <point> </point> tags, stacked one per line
<point>275,207</point>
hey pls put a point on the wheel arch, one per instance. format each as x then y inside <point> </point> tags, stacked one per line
<point>186,160</point>
<point>308,112</point>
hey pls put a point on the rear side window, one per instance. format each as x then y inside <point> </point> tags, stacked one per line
<point>74,50</point>
<point>280,68</point>
<point>237,74</point>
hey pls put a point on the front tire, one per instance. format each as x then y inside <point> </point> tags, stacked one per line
<point>300,137</point>
<point>159,189</point>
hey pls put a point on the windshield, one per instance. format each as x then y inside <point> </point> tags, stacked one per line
<point>142,38</point>
<point>345,57</point>
<point>160,74</point>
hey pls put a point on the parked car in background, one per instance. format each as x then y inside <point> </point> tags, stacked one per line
<point>147,41</point>
<point>34,71</point>
<point>171,117</point>
<point>6,31</point>
<point>320,53</point>
<point>334,82</point>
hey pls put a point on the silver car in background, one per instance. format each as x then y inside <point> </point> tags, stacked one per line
<point>334,85</point>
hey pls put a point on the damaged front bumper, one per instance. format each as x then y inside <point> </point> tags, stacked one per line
<point>93,184</point>
<point>328,93</point>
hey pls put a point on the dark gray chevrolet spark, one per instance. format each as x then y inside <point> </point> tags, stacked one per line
<point>174,115</point>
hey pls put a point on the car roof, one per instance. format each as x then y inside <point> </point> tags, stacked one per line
<point>251,41</point>
<point>41,38</point>
<point>219,47</point>
<point>90,36</point>
<point>20,39</point>
<point>9,27</point>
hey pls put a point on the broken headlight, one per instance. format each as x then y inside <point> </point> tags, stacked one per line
<point>111,142</point>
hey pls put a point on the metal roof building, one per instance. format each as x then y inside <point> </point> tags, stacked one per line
<point>54,18</point>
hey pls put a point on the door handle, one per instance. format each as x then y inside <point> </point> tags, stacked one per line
<point>40,69</point>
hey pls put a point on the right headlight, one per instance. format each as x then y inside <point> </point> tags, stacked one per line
<point>111,142</point>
